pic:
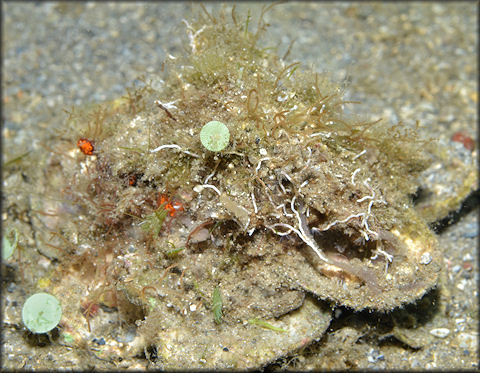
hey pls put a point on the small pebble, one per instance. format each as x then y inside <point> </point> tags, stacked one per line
<point>467,257</point>
<point>99,342</point>
<point>11,287</point>
<point>440,332</point>
<point>426,258</point>
<point>456,268</point>
<point>337,313</point>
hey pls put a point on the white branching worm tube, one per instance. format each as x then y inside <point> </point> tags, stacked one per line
<point>303,232</point>
<point>353,175</point>
<point>254,204</point>
<point>166,147</point>
<point>174,146</point>
<point>369,188</point>
<point>260,163</point>
<point>199,188</point>
<point>360,154</point>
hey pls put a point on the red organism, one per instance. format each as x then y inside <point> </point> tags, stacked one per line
<point>132,180</point>
<point>173,207</point>
<point>462,137</point>
<point>85,146</point>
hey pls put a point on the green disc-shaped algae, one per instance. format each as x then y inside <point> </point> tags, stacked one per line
<point>41,313</point>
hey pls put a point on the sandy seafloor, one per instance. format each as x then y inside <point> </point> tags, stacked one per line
<point>404,62</point>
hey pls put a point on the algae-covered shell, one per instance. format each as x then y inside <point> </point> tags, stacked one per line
<point>308,204</point>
